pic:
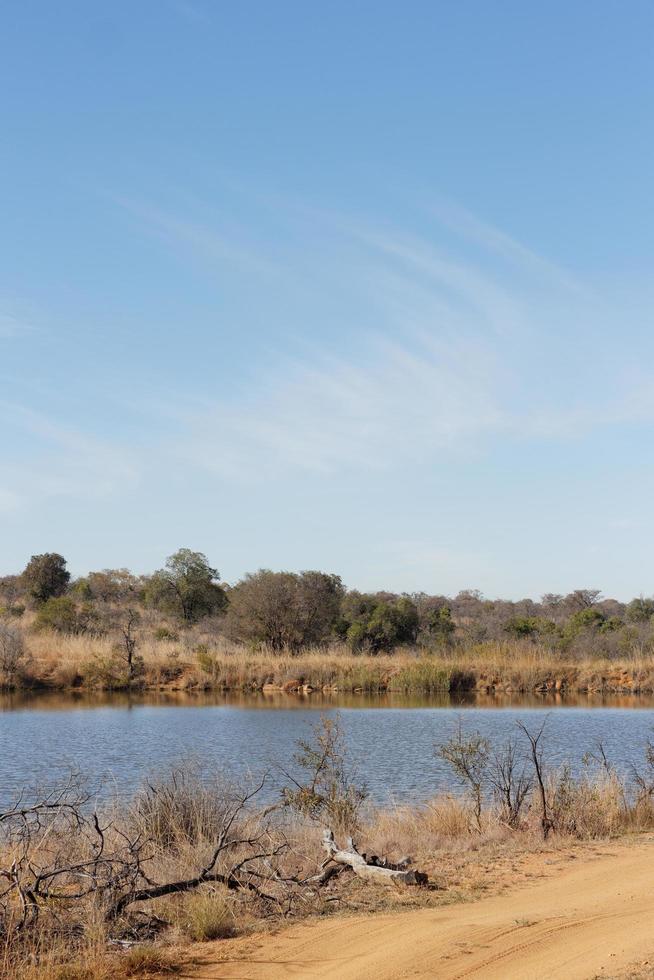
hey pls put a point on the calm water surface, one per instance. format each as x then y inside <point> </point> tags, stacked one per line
<point>119,742</point>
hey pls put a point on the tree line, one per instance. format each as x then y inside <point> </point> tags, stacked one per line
<point>291,610</point>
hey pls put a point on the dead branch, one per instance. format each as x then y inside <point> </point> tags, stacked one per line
<point>377,871</point>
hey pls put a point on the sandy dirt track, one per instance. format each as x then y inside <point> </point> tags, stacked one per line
<point>592,918</point>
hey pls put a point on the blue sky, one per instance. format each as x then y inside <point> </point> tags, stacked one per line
<point>364,287</point>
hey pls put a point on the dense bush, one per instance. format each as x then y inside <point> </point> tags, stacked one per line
<point>374,622</point>
<point>285,610</point>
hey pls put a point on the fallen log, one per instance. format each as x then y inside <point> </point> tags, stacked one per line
<point>377,871</point>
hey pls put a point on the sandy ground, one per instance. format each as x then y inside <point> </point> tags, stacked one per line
<point>592,918</point>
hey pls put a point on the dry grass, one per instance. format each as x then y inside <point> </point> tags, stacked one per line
<point>200,662</point>
<point>208,914</point>
<point>52,957</point>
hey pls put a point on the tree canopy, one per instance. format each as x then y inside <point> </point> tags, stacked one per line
<point>187,587</point>
<point>285,609</point>
<point>45,577</point>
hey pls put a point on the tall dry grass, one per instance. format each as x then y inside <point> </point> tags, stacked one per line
<point>199,662</point>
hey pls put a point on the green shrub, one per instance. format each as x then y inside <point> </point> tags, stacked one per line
<point>377,624</point>
<point>63,615</point>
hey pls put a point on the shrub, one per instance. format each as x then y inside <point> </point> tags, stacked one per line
<point>528,626</point>
<point>326,790</point>
<point>63,615</point>
<point>12,653</point>
<point>14,611</point>
<point>164,633</point>
<point>207,663</point>
<point>181,809</point>
<point>468,759</point>
<point>376,623</point>
<point>208,915</point>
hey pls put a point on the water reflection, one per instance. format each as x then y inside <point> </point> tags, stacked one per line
<point>74,700</point>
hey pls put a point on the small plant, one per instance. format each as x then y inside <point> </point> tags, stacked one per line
<point>148,961</point>
<point>510,783</point>
<point>330,794</point>
<point>468,759</point>
<point>207,916</point>
<point>181,808</point>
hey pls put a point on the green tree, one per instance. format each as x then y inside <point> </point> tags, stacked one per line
<point>378,623</point>
<point>188,587</point>
<point>440,625</point>
<point>45,577</point>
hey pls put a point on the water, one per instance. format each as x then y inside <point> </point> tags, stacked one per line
<point>118,742</point>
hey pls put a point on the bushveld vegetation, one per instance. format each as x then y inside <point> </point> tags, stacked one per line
<point>123,888</point>
<point>182,627</point>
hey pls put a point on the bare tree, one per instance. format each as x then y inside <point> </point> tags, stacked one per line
<point>536,752</point>
<point>128,629</point>
<point>510,783</point>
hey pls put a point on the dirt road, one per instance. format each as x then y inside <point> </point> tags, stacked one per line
<point>595,917</point>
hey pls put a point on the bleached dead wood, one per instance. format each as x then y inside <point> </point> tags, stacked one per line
<point>379,872</point>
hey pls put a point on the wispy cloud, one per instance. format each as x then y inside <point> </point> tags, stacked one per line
<point>469,226</point>
<point>210,245</point>
<point>432,354</point>
<point>440,371</point>
<point>62,462</point>
<point>401,404</point>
